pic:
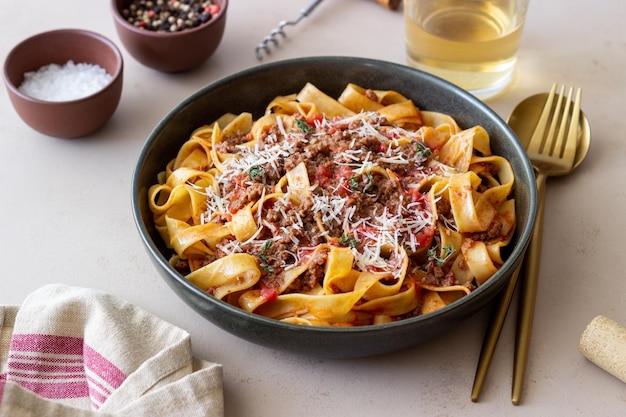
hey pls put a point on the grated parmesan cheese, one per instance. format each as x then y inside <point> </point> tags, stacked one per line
<point>381,235</point>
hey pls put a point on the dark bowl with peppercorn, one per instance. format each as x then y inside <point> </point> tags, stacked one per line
<point>250,91</point>
<point>170,36</point>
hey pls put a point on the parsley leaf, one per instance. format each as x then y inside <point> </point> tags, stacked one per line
<point>256,172</point>
<point>304,126</point>
<point>263,256</point>
<point>350,241</point>
<point>440,260</point>
<point>423,151</point>
<point>370,184</point>
<point>354,184</point>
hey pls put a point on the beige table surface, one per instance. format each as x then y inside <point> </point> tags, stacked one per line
<point>65,216</point>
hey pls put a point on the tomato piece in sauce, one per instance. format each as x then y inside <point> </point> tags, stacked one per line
<point>342,175</point>
<point>268,292</point>
<point>323,174</point>
<point>311,119</point>
<point>424,237</point>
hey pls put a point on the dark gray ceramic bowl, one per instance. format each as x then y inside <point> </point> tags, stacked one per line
<point>251,90</point>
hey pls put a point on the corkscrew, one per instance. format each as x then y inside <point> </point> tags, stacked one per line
<point>272,38</point>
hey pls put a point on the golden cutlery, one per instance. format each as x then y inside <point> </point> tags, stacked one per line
<point>552,152</point>
<point>522,120</point>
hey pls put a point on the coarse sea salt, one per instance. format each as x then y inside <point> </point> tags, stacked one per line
<point>66,82</point>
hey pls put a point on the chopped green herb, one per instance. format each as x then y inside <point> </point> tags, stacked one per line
<point>304,126</point>
<point>263,256</point>
<point>370,184</point>
<point>266,247</point>
<point>356,186</point>
<point>423,151</point>
<point>350,241</point>
<point>440,260</point>
<point>256,172</point>
<point>354,183</point>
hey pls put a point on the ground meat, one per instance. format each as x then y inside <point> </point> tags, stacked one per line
<point>312,276</point>
<point>443,207</point>
<point>386,191</point>
<point>240,197</point>
<point>365,197</point>
<point>230,143</point>
<point>371,94</point>
<point>319,150</point>
<point>437,276</point>
<point>494,231</point>
<point>335,157</point>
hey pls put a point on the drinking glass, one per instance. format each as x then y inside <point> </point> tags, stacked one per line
<point>471,43</point>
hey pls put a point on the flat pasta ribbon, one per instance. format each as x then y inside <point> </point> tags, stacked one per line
<point>352,211</point>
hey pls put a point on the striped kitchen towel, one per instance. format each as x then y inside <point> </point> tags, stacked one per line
<point>69,351</point>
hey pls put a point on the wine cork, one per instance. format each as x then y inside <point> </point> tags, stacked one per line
<point>604,343</point>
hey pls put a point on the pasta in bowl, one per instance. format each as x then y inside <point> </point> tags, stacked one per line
<point>334,212</point>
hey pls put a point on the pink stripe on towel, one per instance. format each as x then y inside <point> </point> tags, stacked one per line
<point>47,343</point>
<point>101,366</point>
<point>58,367</point>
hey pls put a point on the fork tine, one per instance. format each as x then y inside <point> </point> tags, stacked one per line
<point>537,139</point>
<point>569,153</point>
<point>563,117</point>
<point>547,163</point>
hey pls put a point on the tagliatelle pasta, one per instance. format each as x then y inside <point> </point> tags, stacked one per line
<point>350,211</point>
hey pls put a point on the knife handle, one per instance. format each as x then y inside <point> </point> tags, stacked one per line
<point>530,275</point>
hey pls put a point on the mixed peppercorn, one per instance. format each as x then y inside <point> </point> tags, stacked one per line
<point>169,15</point>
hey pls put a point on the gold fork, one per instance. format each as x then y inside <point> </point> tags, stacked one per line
<point>551,152</point>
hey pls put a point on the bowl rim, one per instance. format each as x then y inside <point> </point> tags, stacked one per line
<point>119,19</point>
<point>119,67</point>
<point>514,257</point>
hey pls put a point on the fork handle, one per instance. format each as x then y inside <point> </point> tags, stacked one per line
<point>492,334</point>
<point>529,281</point>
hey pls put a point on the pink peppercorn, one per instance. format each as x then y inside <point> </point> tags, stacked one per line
<point>213,9</point>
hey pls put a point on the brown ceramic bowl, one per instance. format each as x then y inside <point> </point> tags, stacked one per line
<point>175,51</point>
<point>65,119</point>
